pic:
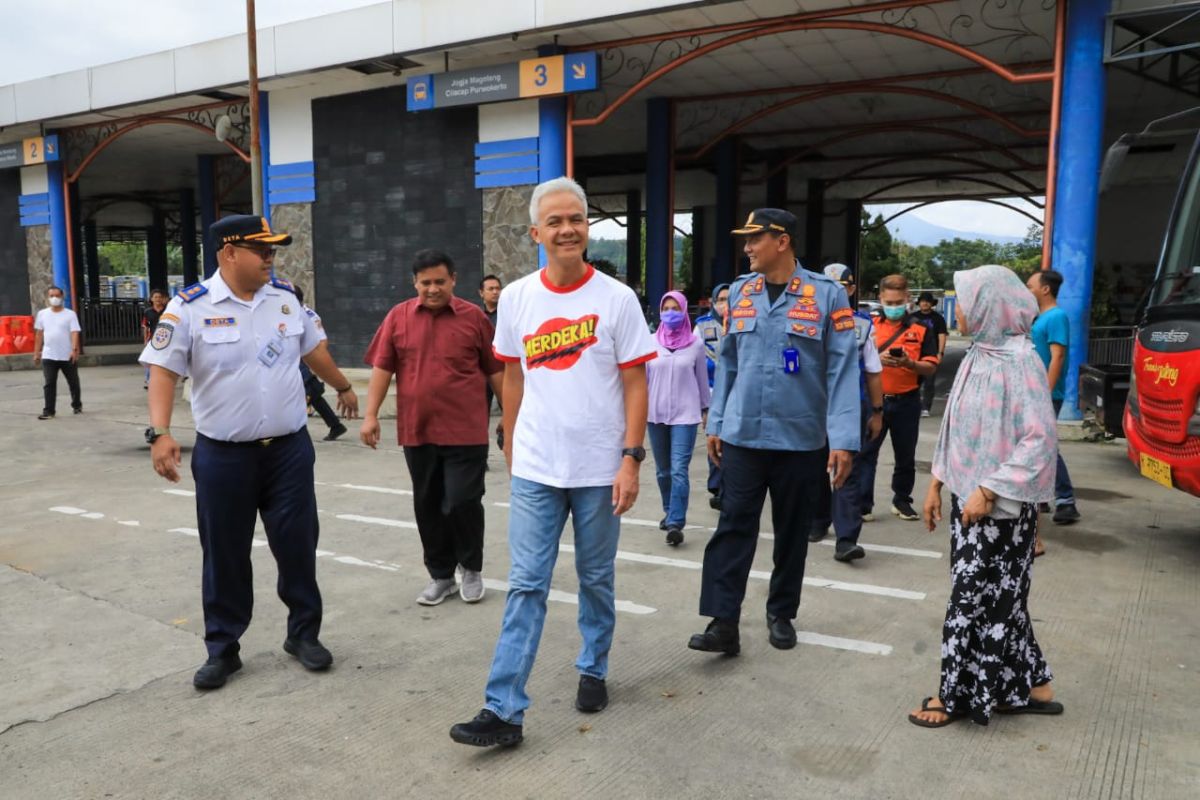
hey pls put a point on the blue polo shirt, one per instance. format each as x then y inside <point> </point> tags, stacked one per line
<point>1052,327</point>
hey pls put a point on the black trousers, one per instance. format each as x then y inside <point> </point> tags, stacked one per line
<point>321,406</point>
<point>50,370</point>
<point>902,421</point>
<point>448,501</point>
<point>747,475</point>
<point>236,482</point>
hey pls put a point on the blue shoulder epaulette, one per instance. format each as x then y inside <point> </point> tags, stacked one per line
<point>280,283</point>
<point>192,292</point>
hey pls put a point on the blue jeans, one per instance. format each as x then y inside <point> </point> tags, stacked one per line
<point>1064,492</point>
<point>673,446</point>
<point>536,518</point>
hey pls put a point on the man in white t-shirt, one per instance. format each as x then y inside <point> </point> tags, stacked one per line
<point>56,348</point>
<point>575,345</point>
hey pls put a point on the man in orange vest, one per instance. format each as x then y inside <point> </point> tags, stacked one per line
<point>909,352</point>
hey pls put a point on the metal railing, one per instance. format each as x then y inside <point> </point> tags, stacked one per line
<point>1110,345</point>
<point>111,320</point>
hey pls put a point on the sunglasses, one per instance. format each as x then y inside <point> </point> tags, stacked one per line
<point>263,251</point>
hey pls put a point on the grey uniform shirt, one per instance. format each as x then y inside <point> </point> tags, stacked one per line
<point>240,391</point>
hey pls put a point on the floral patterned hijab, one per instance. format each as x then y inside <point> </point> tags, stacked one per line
<point>999,429</point>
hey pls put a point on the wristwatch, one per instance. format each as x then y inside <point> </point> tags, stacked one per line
<point>348,388</point>
<point>876,409</point>
<point>638,454</point>
<point>152,434</point>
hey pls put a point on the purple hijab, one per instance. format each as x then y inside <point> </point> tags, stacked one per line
<point>999,429</point>
<point>681,335</point>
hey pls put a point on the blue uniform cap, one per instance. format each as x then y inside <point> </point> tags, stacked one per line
<point>237,228</point>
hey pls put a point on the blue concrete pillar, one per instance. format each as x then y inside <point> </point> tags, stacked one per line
<point>59,256</point>
<point>1081,126</point>
<point>552,146</point>
<point>660,219</point>
<point>206,190</point>
<point>633,238</point>
<point>814,227</point>
<point>726,249</point>
<point>264,143</point>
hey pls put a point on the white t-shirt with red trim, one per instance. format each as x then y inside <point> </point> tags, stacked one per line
<point>572,343</point>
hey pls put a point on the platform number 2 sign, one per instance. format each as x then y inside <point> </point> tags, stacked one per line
<point>34,151</point>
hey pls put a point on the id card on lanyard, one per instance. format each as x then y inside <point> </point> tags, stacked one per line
<point>272,350</point>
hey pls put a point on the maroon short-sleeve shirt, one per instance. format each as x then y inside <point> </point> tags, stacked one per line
<point>442,360</point>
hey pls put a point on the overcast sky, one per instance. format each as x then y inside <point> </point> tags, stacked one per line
<point>65,35</point>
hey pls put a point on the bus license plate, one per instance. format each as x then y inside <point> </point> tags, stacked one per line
<point>1157,471</point>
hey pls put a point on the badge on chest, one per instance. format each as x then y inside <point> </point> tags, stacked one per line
<point>273,349</point>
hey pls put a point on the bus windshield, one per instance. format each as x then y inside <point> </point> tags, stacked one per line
<point>1178,279</point>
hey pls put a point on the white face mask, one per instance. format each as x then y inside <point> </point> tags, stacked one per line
<point>55,302</point>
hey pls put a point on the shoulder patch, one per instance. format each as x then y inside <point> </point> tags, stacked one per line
<point>192,292</point>
<point>841,313</point>
<point>280,283</point>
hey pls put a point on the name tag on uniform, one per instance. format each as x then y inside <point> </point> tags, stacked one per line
<point>271,351</point>
<point>791,360</point>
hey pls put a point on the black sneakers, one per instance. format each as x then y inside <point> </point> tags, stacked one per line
<point>216,671</point>
<point>335,432</point>
<point>487,730</point>
<point>721,636</point>
<point>309,652</point>
<point>592,695</point>
<point>848,551</point>
<point>1066,514</point>
<point>904,510</point>
<point>674,536</point>
<point>818,532</point>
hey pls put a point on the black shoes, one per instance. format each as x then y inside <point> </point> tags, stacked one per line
<point>780,632</point>
<point>78,410</point>
<point>46,415</point>
<point>662,524</point>
<point>714,502</point>
<point>334,433</point>
<point>592,695</point>
<point>848,551</point>
<point>309,652</point>
<point>674,536</point>
<point>818,533</point>
<point>216,671</point>
<point>486,730</point>
<point>721,636</point>
<point>904,510</point>
<point>1066,514</point>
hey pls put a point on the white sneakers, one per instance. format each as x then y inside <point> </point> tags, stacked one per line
<point>471,589</point>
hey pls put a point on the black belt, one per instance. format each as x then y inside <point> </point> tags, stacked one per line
<point>903,394</point>
<point>253,442</point>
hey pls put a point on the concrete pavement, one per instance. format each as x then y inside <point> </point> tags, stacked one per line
<point>100,631</point>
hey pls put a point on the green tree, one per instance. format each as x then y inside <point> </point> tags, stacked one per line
<point>876,257</point>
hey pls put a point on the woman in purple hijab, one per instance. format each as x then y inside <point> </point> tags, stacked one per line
<point>996,453</point>
<point>679,396</point>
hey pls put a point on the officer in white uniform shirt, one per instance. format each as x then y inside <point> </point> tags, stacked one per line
<point>240,336</point>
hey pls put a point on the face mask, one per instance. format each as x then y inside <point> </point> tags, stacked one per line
<point>893,312</point>
<point>672,318</point>
<point>55,302</point>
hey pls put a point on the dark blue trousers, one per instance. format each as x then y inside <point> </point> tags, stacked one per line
<point>843,508</point>
<point>235,483</point>
<point>747,476</point>
<point>902,420</point>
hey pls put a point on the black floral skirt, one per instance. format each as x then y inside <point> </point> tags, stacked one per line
<point>989,654</point>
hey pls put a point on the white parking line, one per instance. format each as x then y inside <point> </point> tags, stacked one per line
<point>837,642</point>
<point>363,488</point>
<point>68,510</point>
<point>390,523</point>
<point>887,548</point>
<point>563,597</point>
<point>823,583</point>
<point>179,492</point>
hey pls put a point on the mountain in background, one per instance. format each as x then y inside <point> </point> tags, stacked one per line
<point>913,230</point>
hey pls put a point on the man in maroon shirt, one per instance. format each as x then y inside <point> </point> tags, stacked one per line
<point>440,349</point>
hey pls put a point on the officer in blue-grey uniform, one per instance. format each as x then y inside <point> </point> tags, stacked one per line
<point>843,509</point>
<point>786,384</point>
<point>240,336</point>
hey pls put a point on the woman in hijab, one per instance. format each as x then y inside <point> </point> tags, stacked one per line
<point>679,395</point>
<point>710,328</point>
<point>996,454</point>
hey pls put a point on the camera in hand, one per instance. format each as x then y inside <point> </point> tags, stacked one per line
<point>896,352</point>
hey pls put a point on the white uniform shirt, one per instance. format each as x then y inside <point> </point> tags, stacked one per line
<point>221,341</point>
<point>56,328</point>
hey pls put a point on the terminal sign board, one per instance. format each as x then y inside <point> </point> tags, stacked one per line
<point>533,77</point>
<point>35,150</point>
